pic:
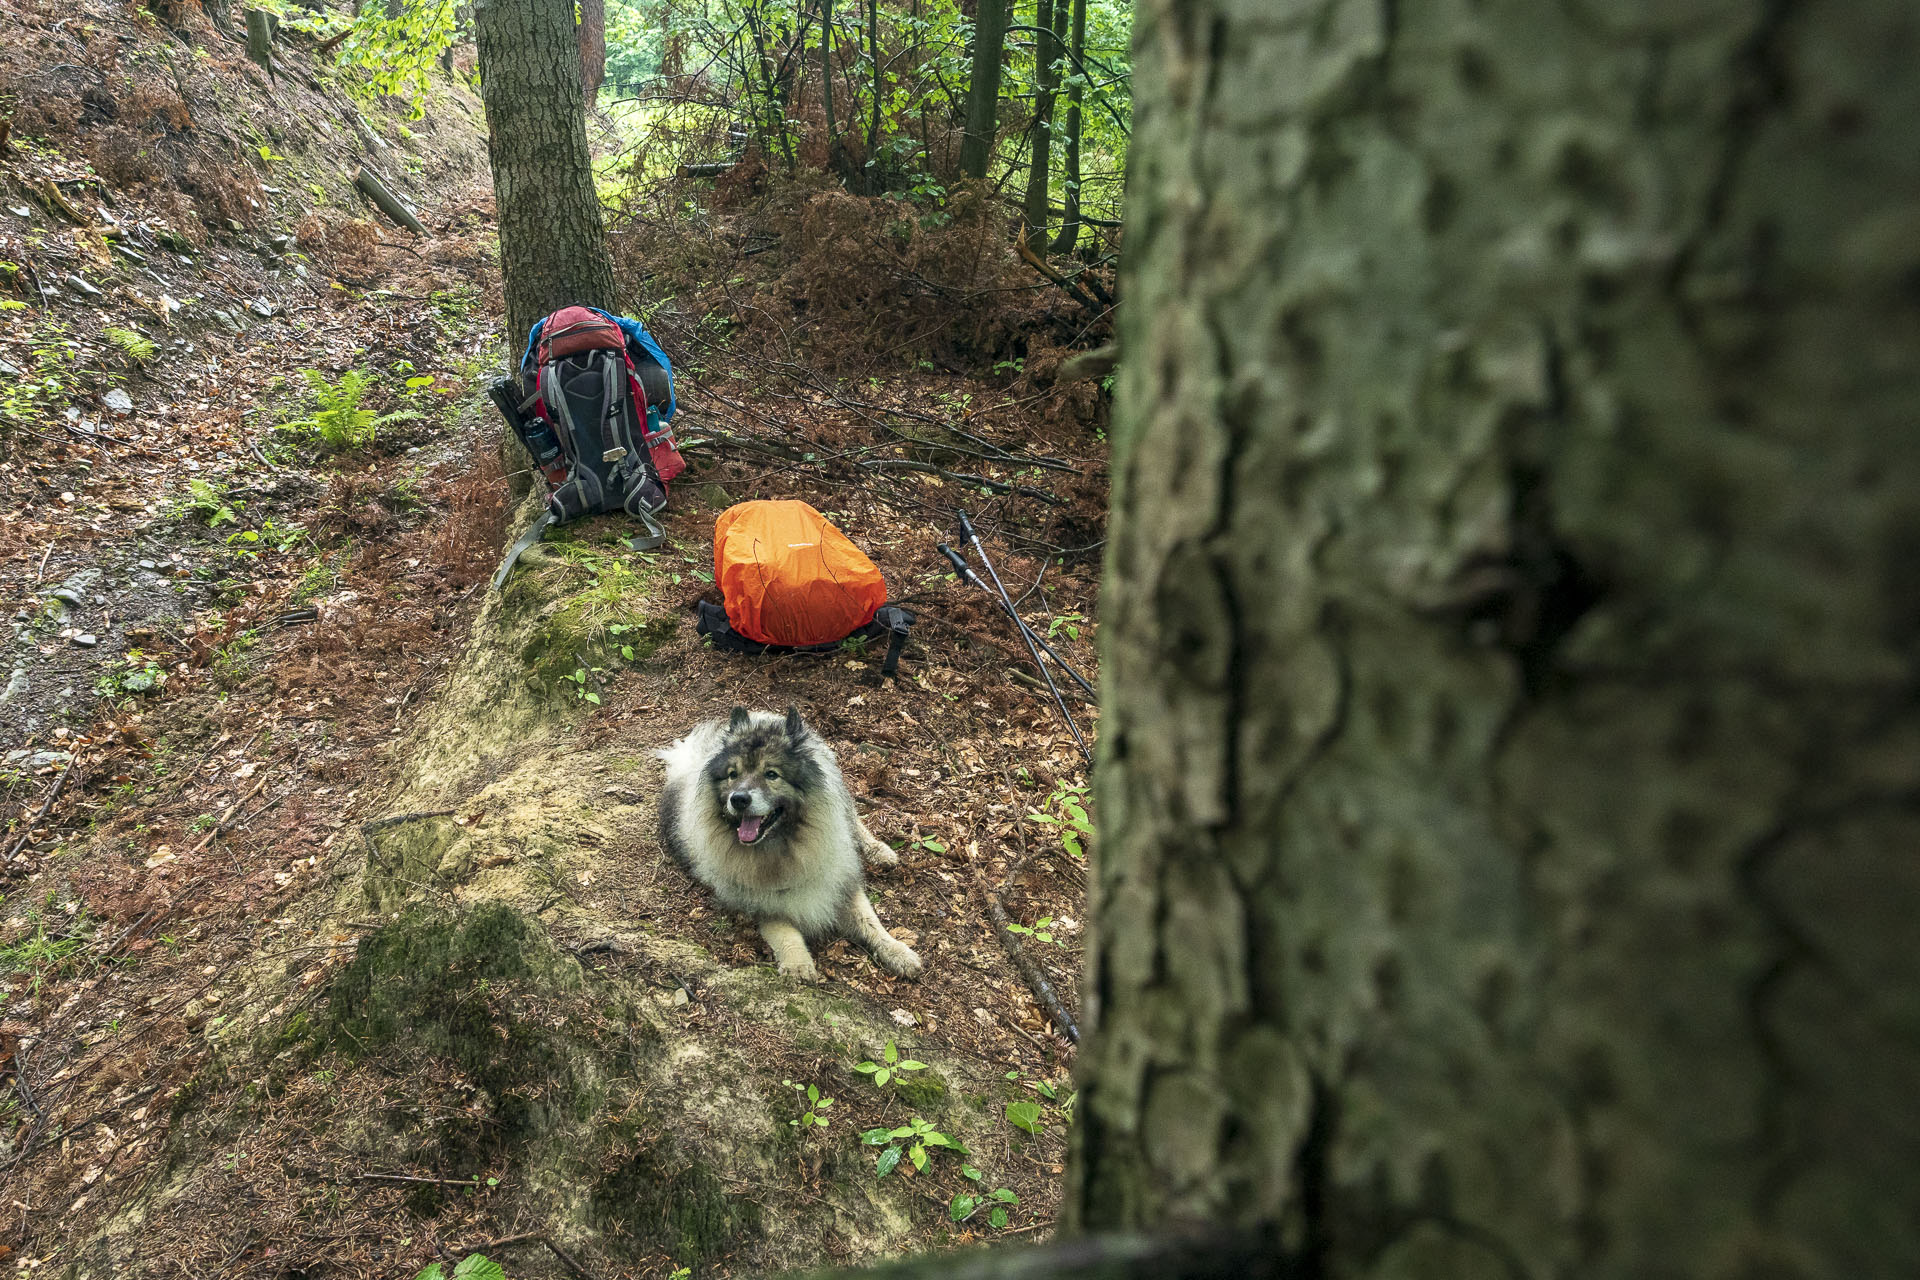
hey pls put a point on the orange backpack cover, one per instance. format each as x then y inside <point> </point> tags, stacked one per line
<point>789,577</point>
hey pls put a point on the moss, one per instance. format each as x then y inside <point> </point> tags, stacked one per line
<point>478,991</point>
<point>404,856</point>
<point>921,1090</point>
<point>656,1201</point>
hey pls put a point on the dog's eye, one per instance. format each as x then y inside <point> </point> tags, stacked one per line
<point>733,773</point>
<point>772,776</point>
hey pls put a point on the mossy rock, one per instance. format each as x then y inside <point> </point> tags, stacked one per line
<point>657,1201</point>
<point>478,990</point>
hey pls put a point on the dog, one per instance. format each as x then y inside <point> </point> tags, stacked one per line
<point>755,809</point>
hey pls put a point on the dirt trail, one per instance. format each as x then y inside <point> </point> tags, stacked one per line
<point>350,919</point>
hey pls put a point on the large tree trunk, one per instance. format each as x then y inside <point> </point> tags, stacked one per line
<point>1046,54</point>
<point>1510,777</point>
<point>983,90</point>
<point>553,243</point>
<point>593,48</point>
<point>1076,69</point>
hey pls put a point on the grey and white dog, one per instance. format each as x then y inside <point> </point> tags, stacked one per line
<point>754,808</point>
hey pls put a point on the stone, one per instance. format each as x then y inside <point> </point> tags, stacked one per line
<point>261,307</point>
<point>86,641</point>
<point>17,684</point>
<point>20,211</point>
<point>83,287</point>
<point>118,400</point>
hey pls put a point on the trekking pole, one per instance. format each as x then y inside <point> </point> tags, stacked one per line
<point>1026,633</point>
<point>965,570</point>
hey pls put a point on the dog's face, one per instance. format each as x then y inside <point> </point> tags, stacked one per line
<point>760,778</point>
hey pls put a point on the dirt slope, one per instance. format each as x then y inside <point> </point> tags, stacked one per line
<point>349,945</point>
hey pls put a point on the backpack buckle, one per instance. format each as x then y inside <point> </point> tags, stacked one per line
<point>614,454</point>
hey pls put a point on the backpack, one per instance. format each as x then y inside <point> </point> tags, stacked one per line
<point>792,583</point>
<point>596,421</point>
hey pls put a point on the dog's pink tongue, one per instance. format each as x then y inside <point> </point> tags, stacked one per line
<point>750,829</point>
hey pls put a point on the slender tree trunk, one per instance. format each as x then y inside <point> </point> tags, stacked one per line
<point>1510,766</point>
<point>874,175</point>
<point>553,243</point>
<point>1046,55</point>
<point>834,163</point>
<point>593,49</point>
<point>983,91</point>
<point>1076,86</point>
<point>775,90</point>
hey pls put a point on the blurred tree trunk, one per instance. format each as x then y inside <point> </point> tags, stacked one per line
<point>1076,87</point>
<point>836,162</point>
<point>1046,77</point>
<point>553,243</point>
<point>593,49</point>
<point>1510,766</point>
<point>983,90</point>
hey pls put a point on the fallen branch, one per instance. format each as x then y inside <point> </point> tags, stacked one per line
<point>1029,972</point>
<point>960,477</point>
<point>1041,265</point>
<point>387,202</point>
<point>73,758</point>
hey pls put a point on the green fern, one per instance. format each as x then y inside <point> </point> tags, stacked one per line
<point>136,346</point>
<point>338,419</point>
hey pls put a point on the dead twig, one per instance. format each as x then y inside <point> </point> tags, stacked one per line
<point>73,758</point>
<point>1036,981</point>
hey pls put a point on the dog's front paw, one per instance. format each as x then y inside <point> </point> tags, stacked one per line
<point>800,969</point>
<point>879,855</point>
<point>899,960</point>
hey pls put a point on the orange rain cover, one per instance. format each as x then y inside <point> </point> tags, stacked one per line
<point>789,577</point>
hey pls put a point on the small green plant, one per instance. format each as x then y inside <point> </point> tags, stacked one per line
<point>133,344</point>
<point>1067,622</point>
<point>967,1203</point>
<point>339,421</point>
<point>579,680</point>
<point>813,1114</point>
<point>893,1066</point>
<point>208,503</point>
<point>268,156</point>
<point>910,1141</point>
<point>475,1266</point>
<point>138,673</point>
<point>855,645</point>
<point>1065,811</point>
<point>1026,1116</point>
<point>1037,930</point>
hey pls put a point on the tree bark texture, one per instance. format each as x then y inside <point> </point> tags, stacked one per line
<point>1510,777</point>
<point>1076,69</point>
<point>1046,78</point>
<point>553,244</point>
<point>260,37</point>
<point>983,88</point>
<point>592,33</point>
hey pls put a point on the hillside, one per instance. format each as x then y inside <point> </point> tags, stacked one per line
<point>333,902</point>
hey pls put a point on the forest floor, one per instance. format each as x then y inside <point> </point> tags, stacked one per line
<point>226,637</point>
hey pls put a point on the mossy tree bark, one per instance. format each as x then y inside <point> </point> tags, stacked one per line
<point>1511,767</point>
<point>983,89</point>
<point>1076,89</point>
<point>553,242</point>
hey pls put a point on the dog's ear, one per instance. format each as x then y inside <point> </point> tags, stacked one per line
<point>796,727</point>
<point>739,721</point>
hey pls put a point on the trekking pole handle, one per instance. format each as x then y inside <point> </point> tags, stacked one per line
<point>960,566</point>
<point>966,529</point>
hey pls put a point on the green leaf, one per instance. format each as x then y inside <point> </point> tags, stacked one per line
<point>962,1206</point>
<point>888,1159</point>
<point>893,1054</point>
<point>998,1218</point>
<point>1024,1115</point>
<point>919,1154</point>
<point>934,845</point>
<point>968,1171</point>
<point>813,1093</point>
<point>904,1131</point>
<point>911,1065</point>
<point>414,384</point>
<point>875,1137</point>
<point>1005,1196</point>
<point>1046,1089</point>
<point>883,1077</point>
<point>478,1267</point>
<point>432,1271</point>
<point>867,1068</point>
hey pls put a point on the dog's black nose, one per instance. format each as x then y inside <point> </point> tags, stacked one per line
<point>739,801</point>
